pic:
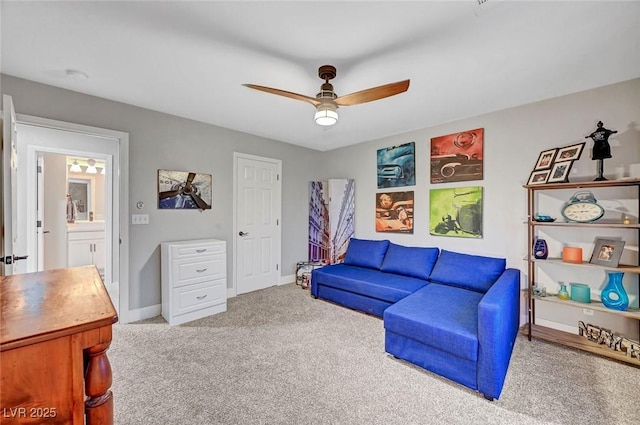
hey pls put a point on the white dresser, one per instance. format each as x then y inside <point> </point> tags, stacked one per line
<point>194,279</point>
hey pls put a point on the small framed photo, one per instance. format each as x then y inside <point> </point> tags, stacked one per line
<point>570,153</point>
<point>560,172</point>
<point>607,252</point>
<point>545,160</point>
<point>539,177</point>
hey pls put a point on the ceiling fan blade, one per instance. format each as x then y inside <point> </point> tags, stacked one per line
<point>291,95</point>
<point>169,193</point>
<point>199,202</point>
<point>190,178</point>
<point>374,93</point>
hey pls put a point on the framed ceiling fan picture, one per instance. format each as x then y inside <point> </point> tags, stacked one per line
<point>184,190</point>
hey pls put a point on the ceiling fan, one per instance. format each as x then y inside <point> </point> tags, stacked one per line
<point>327,102</point>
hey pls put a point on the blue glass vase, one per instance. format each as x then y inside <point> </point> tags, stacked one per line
<point>540,249</point>
<point>613,295</point>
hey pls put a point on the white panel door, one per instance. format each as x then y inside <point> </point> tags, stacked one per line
<point>13,242</point>
<point>258,197</point>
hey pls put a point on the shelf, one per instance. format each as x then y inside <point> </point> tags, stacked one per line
<point>625,268</point>
<point>632,313</point>
<point>578,342</point>
<point>586,184</point>
<point>535,227</point>
<point>591,225</point>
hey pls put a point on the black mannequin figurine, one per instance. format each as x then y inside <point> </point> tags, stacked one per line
<point>601,148</point>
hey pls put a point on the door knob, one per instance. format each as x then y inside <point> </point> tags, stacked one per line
<point>12,259</point>
<point>243,233</point>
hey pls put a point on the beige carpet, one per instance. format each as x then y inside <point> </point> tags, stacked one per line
<point>278,356</point>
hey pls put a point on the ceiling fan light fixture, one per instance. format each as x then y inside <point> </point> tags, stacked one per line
<point>326,114</point>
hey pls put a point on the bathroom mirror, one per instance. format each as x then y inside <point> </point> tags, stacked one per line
<point>80,191</point>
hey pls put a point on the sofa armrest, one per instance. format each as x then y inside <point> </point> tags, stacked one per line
<point>498,322</point>
<point>314,283</point>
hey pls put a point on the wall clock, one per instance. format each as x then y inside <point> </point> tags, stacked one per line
<point>582,207</point>
<point>184,190</point>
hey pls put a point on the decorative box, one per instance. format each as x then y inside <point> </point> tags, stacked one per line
<point>580,292</point>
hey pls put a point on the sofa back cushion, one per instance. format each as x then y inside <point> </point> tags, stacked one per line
<point>366,253</point>
<point>409,261</point>
<point>473,272</point>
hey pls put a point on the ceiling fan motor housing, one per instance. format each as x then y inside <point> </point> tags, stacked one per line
<point>326,92</point>
<point>326,112</point>
<point>327,72</point>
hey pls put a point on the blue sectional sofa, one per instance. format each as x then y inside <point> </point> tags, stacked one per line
<point>451,313</point>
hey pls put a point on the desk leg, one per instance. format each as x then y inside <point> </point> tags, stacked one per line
<point>99,404</point>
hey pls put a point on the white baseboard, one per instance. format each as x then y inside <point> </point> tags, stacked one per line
<point>145,313</point>
<point>231,292</point>
<point>156,310</point>
<point>558,326</point>
<point>523,320</point>
<point>284,280</point>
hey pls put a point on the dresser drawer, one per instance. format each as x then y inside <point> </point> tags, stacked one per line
<point>187,272</point>
<point>199,296</point>
<point>189,251</point>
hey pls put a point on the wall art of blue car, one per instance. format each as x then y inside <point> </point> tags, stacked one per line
<point>396,166</point>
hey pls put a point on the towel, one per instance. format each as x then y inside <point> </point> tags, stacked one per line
<point>72,212</point>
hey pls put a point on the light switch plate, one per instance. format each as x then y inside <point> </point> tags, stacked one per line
<point>139,218</point>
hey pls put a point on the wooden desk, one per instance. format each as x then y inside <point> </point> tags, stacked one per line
<point>55,329</point>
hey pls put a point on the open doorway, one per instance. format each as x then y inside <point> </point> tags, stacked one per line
<point>45,146</point>
<point>71,214</point>
<point>68,199</point>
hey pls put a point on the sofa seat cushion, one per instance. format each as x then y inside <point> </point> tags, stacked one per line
<point>474,272</point>
<point>372,283</point>
<point>409,260</point>
<point>440,316</point>
<point>366,253</point>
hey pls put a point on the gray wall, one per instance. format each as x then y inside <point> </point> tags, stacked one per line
<point>513,140</point>
<point>161,141</point>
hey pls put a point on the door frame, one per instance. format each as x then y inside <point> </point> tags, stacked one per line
<point>9,190</point>
<point>120,224</point>
<point>233,291</point>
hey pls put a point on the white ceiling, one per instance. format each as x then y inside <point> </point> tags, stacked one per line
<point>190,58</point>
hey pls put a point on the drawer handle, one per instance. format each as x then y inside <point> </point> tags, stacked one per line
<point>201,250</point>
<point>202,297</point>
<point>201,270</point>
